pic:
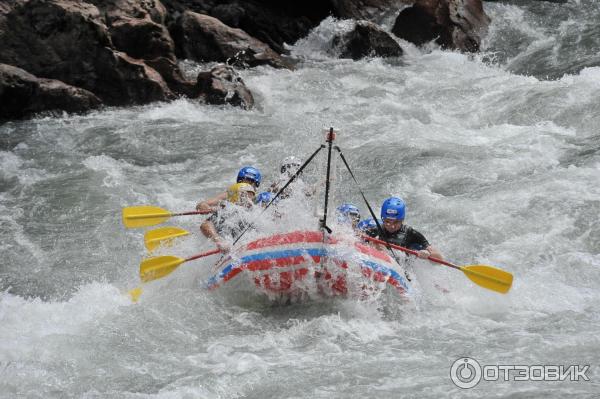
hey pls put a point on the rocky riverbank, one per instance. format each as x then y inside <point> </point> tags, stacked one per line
<point>69,55</point>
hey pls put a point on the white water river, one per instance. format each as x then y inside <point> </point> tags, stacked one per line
<point>498,164</point>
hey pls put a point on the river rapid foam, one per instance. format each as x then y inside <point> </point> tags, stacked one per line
<point>497,156</point>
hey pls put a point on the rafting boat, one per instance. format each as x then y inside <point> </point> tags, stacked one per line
<point>302,265</point>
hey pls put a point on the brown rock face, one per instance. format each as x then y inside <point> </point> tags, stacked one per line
<point>123,53</point>
<point>454,24</point>
<point>138,29</point>
<point>363,9</point>
<point>125,80</point>
<point>170,72</point>
<point>68,41</point>
<point>204,38</point>
<point>273,22</point>
<point>138,9</point>
<point>142,38</point>
<point>367,40</point>
<point>22,94</point>
<point>39,36</point>
<point>222,85</point>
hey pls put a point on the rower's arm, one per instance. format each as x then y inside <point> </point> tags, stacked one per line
<point>211,203</point>
<point>434,252</point>
<point>209,230</point>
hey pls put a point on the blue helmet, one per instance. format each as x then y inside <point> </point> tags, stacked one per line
<point>249,173</point>
<point>393,208</point>
<point>346,212</point>
<point>367,224</point>
<point>264,198</point>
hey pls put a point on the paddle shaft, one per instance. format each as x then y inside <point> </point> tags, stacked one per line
<point>202,255</point>
<point>156,215</point>
<point>412,252</point>
<point>191,213</point>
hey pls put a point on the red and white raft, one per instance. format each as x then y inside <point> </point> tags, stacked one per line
<point>300,265</point>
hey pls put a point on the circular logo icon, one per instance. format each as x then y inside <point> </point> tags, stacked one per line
<point>465,372</point>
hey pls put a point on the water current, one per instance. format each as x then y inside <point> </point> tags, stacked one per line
<point>497,156</point>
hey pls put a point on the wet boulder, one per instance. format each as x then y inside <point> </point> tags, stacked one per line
<point>366,40</point>
<point>142,38</point>
<point>364,9</point>
<point>138,29</point>
<point>272,22</point>
<point>23,94</point>
<point>203,38</point>
<point>173,76</point>
<point>114,10</point>
<point>453,24</point>
<point>222,85</point>
<point>68,41</point>
<point>125,80</point>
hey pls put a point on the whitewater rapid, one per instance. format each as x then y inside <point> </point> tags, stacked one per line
<point>497,156</point>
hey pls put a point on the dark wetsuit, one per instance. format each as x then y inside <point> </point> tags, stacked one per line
<point>406,237</point>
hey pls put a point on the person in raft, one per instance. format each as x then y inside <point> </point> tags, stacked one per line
<point>247,174</point>
<point>396,232</point>
<point>367,224</point>
<point>289,166</point>
<point>231,218</point>
<point>348,214</point>
<point>264,198</point>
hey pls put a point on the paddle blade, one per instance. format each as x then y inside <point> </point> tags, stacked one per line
<point>135,293</point>
<point>162,236</point>
<point>158,267</point>
<point>489,277</point>
<point>142,216</point>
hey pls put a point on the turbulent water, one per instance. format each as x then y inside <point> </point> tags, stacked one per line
<point>497,156</point>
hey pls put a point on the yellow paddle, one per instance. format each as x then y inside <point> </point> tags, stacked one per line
<point>162,236</point>
<point>484,276</point>
<point>158,267</point>
<point>145,215</point>
<point>161,266</point>
<point>135,293</point>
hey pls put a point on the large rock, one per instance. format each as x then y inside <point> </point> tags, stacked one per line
<point>68,41</point>
<point>174,77</point>
<point>454,24</point>
<point>367,40</point>
<point>123,80</point>
<point>364,9</point>
<point>273,22</point>
<point>138,29</point>
<point>22,94</point>
<point>276,22</point>
<point>39,35</point>
<point>142,38</point>
<point>204,38</point>
<point>115,10</point>
<point>222,85</point>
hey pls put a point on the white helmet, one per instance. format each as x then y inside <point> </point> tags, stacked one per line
<point>290,165</point>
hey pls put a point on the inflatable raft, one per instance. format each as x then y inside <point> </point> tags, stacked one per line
<point>303,265</point>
